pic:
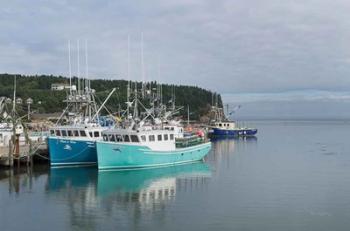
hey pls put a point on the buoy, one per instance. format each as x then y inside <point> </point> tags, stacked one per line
<point>200,133</point>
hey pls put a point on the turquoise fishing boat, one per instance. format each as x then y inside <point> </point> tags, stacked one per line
<point>148,147</point>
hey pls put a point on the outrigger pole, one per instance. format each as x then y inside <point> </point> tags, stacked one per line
<point>103,104</point>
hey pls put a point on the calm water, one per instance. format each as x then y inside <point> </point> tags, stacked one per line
<point>294,176</point>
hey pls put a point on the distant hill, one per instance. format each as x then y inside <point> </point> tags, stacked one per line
<point>38,87</point>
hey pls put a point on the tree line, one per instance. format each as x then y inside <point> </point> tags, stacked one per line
<point>38,87</point>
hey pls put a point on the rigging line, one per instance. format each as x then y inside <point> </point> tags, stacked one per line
<point>70,68</point>
<point>104,106</point>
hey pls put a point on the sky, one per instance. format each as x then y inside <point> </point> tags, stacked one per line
<point>252,50</point>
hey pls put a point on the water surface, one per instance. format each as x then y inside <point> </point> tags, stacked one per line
<point>294,176</point>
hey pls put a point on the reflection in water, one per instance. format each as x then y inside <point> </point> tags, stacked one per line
<point>224,148</point>
<point>21,179</point>
<point>282,181</point>
<point>76,187</point>
<point>134,193</point>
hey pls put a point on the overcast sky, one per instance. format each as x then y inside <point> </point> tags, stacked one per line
<point>252,46</point>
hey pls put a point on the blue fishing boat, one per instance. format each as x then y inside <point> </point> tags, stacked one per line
<point>228,128</point>
<point>73,142</point>
<point>73,145</point>
<point>220,125</point>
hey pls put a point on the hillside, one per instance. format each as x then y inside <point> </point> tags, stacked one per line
<point>39,89</point>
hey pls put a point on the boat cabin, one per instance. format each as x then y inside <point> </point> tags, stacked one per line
<point>77,132</point>
<point>162,139</point>
<point>225,125</point>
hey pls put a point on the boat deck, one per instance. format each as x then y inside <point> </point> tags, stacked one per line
<point>189,141</point>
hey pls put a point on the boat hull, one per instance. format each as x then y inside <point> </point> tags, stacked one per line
<point>233,132</point>
<point>128,156</point>
<point>71,152</point>
<point>247,132</point>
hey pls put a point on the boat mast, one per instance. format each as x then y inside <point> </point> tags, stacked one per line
<point>160,85</point>
<point>70,69</point>
<point>188,115</point>
<point>136,102</point>
<point>142,68</point>
<point>87,85</point>
<point>14,122</point>
<point>78,74</point>
<point>173,98</point>
<point>128,76</point>
<point>14,98</point>
<point>227,112</point>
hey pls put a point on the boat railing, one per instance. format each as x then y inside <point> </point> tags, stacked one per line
<point>189,141</point>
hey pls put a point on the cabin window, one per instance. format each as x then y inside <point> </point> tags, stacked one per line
<point>64,133</point>
<point>126,138</point>
<point>151,138</point>
<point>119,138</point>
<point>90,134</point>
<point>96,134</point>
<point>166,137</point>
<point>220,125</point>
<point>105,138</point>
<point>82,133</point>
<point>159,137</point>
<point>166,128</point>
<point>143,138</point>
<point>172,128</point>
<point>111,137</point>
<point>70,133</point>
<point>134,138</point>
<point>52,132</point>
<point>58,133</point>
<point>171,136</point>
<point>76,133</point>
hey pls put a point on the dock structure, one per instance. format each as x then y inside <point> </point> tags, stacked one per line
<point>16,154</point>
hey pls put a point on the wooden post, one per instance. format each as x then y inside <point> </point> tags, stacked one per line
<point>10,158</point>
<point>17,150</point>
<point>29,157</point>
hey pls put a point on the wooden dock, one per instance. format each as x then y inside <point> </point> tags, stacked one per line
<point>22,153</point>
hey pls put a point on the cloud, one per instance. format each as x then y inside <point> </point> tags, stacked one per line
<point>291,96</point>
<point>227,46</point>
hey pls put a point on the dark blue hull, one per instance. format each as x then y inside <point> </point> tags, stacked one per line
<point>233,132</point>
<point>71,152</point>
<point>247,132</point>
